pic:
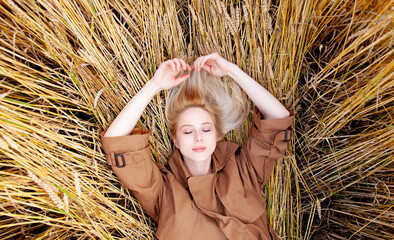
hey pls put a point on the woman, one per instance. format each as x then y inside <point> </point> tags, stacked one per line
<point>210,189</point>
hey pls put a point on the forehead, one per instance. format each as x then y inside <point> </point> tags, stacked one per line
<point>194,116</point>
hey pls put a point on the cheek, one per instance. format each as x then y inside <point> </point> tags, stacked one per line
<point>211,142</point>
<point>213,137</point>
<point>181,140</point>
<point>176,140</point>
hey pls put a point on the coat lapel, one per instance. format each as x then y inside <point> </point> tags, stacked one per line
<point>223,195</point>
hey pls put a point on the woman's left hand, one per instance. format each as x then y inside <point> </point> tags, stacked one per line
<point>214,64</point>
<point>166,76</point>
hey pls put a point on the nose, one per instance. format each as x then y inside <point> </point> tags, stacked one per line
<point>198,137</point>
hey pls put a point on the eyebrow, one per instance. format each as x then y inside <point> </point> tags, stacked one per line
<point>188,125</point>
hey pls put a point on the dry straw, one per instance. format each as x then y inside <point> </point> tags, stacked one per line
<point>68,67</point>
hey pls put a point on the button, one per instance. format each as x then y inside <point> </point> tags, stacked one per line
<point>117,155</point>
<point>288,134</point>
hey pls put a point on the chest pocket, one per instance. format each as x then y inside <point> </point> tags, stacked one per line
<point>237,195</point>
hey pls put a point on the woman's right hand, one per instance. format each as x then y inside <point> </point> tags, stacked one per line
<point>166,75</point>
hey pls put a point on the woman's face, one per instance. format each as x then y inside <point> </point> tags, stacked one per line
<point>196,135</point>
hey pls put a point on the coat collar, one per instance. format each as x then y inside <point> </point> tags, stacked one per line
<point>220,157</point>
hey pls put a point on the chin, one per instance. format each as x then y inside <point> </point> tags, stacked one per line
<point>200,157</point>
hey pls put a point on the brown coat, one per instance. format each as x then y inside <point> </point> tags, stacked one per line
<point>226,204</point>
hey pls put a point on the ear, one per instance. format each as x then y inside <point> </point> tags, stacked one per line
<point>175,142</point>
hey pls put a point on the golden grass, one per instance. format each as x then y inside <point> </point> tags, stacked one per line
<point>67,68</point>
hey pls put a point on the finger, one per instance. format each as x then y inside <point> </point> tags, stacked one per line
<point>198,63</point>
<point>195,62</point>
<point>172,64</point>
<point>203,61</point>
<point>178,64</point>
<point>185,66</point>
<point>214,55</point>
<point>182,78</point>
<point>188,67</point>
<point>207,68</point>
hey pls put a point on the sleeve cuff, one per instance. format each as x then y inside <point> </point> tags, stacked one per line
<point>264,125</point>
<point>138,139</point>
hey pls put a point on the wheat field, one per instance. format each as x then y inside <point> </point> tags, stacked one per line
<point>68,67</point>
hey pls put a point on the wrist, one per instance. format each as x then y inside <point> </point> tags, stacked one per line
<point>233,71</point>
<point>153,87</point>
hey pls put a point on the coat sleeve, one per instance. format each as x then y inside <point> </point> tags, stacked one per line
<point>266,143</point>
<point>130,159</point>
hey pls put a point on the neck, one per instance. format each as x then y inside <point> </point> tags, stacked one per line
<point>198,168</point>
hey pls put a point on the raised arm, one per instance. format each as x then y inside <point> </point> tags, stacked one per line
<point>164,78</point>
<point>268,105</point>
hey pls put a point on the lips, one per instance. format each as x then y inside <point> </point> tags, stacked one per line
<point>199,149</point>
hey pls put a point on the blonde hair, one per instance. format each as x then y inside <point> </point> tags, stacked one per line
<point>223,101</point>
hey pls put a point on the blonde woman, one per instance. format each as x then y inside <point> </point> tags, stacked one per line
<point>210,189</point>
